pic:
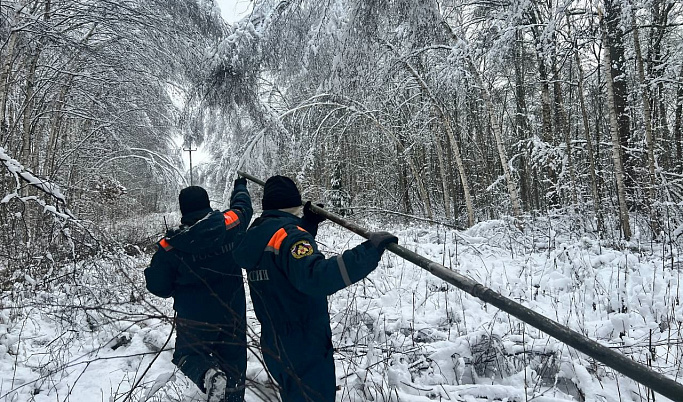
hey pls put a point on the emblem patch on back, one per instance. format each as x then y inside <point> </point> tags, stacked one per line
<point>301,249</point>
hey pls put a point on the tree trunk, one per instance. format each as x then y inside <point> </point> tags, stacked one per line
<point>547,130</point>
<point>589,145</point>
<point>543,79</point>
<point>541,44</point>
<point>614,39</point>
<point>455,149</point>
<point>656,67</point>
<point>27,144</point>
<point>443,173</point>
<point>678,126</point>
<point>647,120</point>
<point>521,121</point>
<point>417,176</point>
<point>403,185</point>
<point>616,138</point>
<point>500,145</point>
<point>562,126</point>
<point>5,79</point>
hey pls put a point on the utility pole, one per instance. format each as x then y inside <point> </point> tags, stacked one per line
<point>190,150</point>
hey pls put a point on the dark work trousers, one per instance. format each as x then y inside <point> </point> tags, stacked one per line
<point>302,363</point>
<point>201,346</point>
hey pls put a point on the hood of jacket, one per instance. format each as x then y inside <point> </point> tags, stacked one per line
<point>207,233</point>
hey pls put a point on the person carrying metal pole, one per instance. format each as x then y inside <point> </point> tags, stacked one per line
<point>289,281</point>
<point>194,265</point>
<point>638,372</point>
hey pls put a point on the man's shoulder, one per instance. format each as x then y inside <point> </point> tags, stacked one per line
<point>298,242</point>
<point>295,230</point>
<point>278,230</point>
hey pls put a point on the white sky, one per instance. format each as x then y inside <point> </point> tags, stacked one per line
<point>233,10</point>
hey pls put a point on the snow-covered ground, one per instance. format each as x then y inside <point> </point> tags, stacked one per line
<point>401,334</point>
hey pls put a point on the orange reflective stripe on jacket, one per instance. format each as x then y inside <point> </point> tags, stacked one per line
<point>276,241</point>
<point>231,220</point>
<point>165,245</point>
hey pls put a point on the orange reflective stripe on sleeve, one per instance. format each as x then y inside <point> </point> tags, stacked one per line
<point>302,229</point>
<point>276,241</point>
<point>231,220</point>
<point>165,245</point>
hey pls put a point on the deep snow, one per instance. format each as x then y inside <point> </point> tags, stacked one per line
<point>401,334</point>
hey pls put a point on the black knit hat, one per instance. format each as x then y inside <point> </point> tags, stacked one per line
<point>193,198</point>
<point>280,192</point>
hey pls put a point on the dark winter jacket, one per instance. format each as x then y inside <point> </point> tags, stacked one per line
<point>195,266</point>
<point>289,279</point>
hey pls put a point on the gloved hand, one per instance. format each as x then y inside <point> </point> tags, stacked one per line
<point>380,240</point>
<point>311,216</point>
<point>241,180</point>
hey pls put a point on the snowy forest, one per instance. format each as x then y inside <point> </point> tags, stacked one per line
<point>534,146</point>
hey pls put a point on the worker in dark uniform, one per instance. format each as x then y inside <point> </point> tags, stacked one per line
<point>194,265</point>
<point>289,281</point>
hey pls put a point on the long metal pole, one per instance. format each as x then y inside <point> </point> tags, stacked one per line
<point>619,362</point>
